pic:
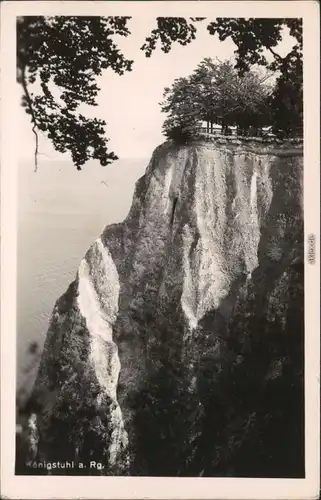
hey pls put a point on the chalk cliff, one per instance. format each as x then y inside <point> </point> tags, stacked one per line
<point>178,349</point>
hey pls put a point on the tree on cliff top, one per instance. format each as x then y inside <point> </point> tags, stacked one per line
<point>66,54</point>
<point>216,93</point>
<point>182,103</point>
<point>287,99</point>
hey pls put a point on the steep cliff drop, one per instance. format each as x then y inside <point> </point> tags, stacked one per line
<point>178,349</point>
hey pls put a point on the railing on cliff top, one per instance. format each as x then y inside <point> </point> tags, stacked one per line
<point>232,131</point>
<point>255,135</point>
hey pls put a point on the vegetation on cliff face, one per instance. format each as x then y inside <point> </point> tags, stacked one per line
<point>227,398</point>
<point>66,54</point>
<point>226,406</point>
<point>209,329</point>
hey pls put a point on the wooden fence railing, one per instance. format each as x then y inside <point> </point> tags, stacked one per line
<point>232,131</point>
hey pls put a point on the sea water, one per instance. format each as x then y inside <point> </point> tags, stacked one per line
<point>61,212</point>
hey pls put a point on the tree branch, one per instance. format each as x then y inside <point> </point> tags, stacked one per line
<point>277,56</point>
<point>33,118</point>
<point>36,148</point>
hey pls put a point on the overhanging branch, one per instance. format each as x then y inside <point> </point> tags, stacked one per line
<point>33,118</point>
<point>277,56</point>
<point>37,146</point>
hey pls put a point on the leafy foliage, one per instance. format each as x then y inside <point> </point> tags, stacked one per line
<point>253,36</point>
<point>255,39</point>
<point>216,93</point>
<point>165,410</point>
<point>69,52</point>
<point>287,99</point>
<point>224,405</point>
<point>181,129</point>
<point>182,105</point>
<point>170,30</point>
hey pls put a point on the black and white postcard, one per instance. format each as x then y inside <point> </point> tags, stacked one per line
<point>160,249</point>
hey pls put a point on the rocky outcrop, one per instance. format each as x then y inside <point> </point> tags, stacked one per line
<point>178,349</point>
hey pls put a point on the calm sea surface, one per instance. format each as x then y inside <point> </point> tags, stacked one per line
<point>60,213</point>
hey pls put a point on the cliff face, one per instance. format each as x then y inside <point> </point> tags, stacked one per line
<point>178,349</point>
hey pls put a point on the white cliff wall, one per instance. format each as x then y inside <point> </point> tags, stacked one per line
<point>189,246</point>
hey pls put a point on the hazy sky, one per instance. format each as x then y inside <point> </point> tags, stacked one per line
<point>130,103</point>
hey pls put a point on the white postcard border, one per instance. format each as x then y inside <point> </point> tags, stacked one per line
<point>31,487</point>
